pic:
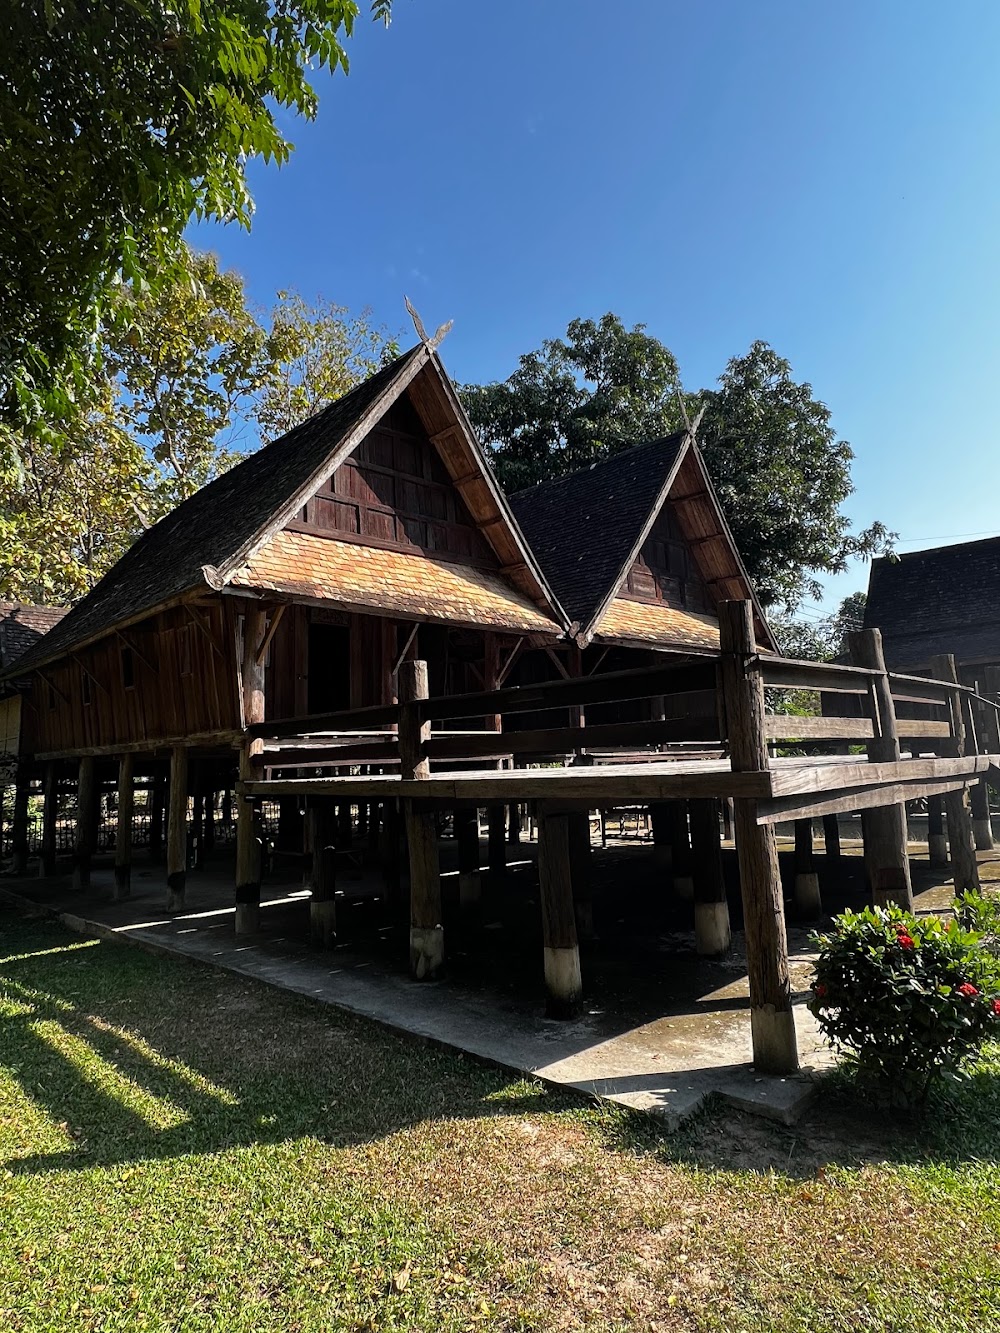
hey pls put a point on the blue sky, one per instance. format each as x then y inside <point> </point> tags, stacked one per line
<point>824,177</point>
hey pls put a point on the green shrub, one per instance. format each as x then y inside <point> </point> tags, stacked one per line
<point>913,999</point>
<point>981,912</point>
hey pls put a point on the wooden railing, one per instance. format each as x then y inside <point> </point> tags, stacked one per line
<point>370,735</point>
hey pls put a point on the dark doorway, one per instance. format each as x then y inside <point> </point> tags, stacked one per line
<point>329,668</point>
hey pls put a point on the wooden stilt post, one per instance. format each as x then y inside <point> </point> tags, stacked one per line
<point>663,852</point>
<point>583,889</point>
<point>50,813</point>
<point>86,820</point>
<point>937,842</point>
<point>123,829</point>
<point>345,826</point>
<point>426,930</point>
<point>177,829</point>
<point>961,842</point>
<point>806,892</point>
<point>883,827</point>
<point>19,830</point>
<point>985,719</point>
<point>208,844</point>
<point>772,1025</point>
<point>467,837</point>
<point>831,837</point>
<point>712,934</point>
<point>249,833</point>
<point>514,825</point>
<point>496,822</point>
<point>322,836</point>
<point>561,949</point>
<point>680,841</point>
<point>157,803</point>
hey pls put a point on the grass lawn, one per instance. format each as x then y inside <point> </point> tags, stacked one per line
<point>183,1149</point>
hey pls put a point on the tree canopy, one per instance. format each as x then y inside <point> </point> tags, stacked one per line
<point>119,123</point>
<point>781,472</point>
<point>190,377</point>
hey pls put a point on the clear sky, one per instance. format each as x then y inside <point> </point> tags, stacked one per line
<point>823,176</point>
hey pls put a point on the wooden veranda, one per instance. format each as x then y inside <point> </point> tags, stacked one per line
<point>390,760</point>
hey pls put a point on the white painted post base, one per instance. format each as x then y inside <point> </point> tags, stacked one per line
<point>983,831</point>
<point>937,849</point>
<point>806,895</point>
<point>684,888</point>
<point>426,951</point>
<point>775,1050</point>
<point>470,888</point>
<point>323,921</point>
<point>563,980</point>
<point>247,918</point>
<point>712,935</point>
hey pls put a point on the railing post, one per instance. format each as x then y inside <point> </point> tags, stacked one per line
<point>249,834</point>
<point>772,1022</point>
<point>426,930</point>
<point>964,866</point>
<point>979,796</point>
<point>883,828</point>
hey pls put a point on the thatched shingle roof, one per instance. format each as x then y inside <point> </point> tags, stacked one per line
<point>21,627</point>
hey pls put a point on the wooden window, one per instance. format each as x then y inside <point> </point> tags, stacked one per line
<point>85,689</point>
<point>128,667</point>
<point>53,700</point>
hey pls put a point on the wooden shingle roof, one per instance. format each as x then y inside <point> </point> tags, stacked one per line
<point>21,627</point>
<point>943,600</point>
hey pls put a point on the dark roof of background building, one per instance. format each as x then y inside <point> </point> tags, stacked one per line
<point>944,600</point>
<point>210,527</point>
<point>583,527</point>
<point>22,625</point>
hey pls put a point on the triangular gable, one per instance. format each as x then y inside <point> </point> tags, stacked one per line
<point>410,477</point>
<point>683,563</point>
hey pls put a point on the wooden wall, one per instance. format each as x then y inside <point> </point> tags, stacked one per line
<point>665,570</point>
<point>173,675</point>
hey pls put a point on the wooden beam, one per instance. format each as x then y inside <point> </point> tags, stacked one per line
<point>134,647</point>
<point>783,809</point>
<point>195,615</point>
<point>276,616</point>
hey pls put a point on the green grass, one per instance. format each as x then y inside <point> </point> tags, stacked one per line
<point>185,1150</point>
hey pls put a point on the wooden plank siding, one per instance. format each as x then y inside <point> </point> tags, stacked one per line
<point>173,675</point>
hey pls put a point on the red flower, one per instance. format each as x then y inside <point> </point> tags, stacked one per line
<point>996,1007</point>
<point>905,942</point>
<point>968,989</point>
<point>820,990</point>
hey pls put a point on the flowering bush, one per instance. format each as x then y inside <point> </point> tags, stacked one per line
<point>981,912</point>
<point>912,998</point>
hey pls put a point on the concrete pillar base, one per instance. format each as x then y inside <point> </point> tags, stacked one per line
<point>426,951</point>
<point>712,935</point>
<point>563,981</point>
<point>323,921</point>
<point>806,895</point>
<point>983,831</point>
<point>775,1050</point>
<point>684,888</point>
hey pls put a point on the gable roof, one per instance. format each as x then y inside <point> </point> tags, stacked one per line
<point>207,538</point>
<point>942,600</point>
<point>587,529</point>
<point>22,625</point>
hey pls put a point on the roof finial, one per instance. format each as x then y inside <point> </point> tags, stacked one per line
<point>690,426</point>
<point>432,344</point>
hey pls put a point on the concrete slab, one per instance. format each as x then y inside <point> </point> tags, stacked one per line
<point>663,1032</point>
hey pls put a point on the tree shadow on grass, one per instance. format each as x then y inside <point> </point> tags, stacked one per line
<point>130,1057</point>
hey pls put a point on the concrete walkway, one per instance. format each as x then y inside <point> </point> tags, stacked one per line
<point>661,1033</point>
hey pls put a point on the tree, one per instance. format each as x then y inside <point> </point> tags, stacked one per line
<point>576,401</point>
<point>780,471</point>
<point>315,353</point>
<point>782,476</point>
<point>119,123</point>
